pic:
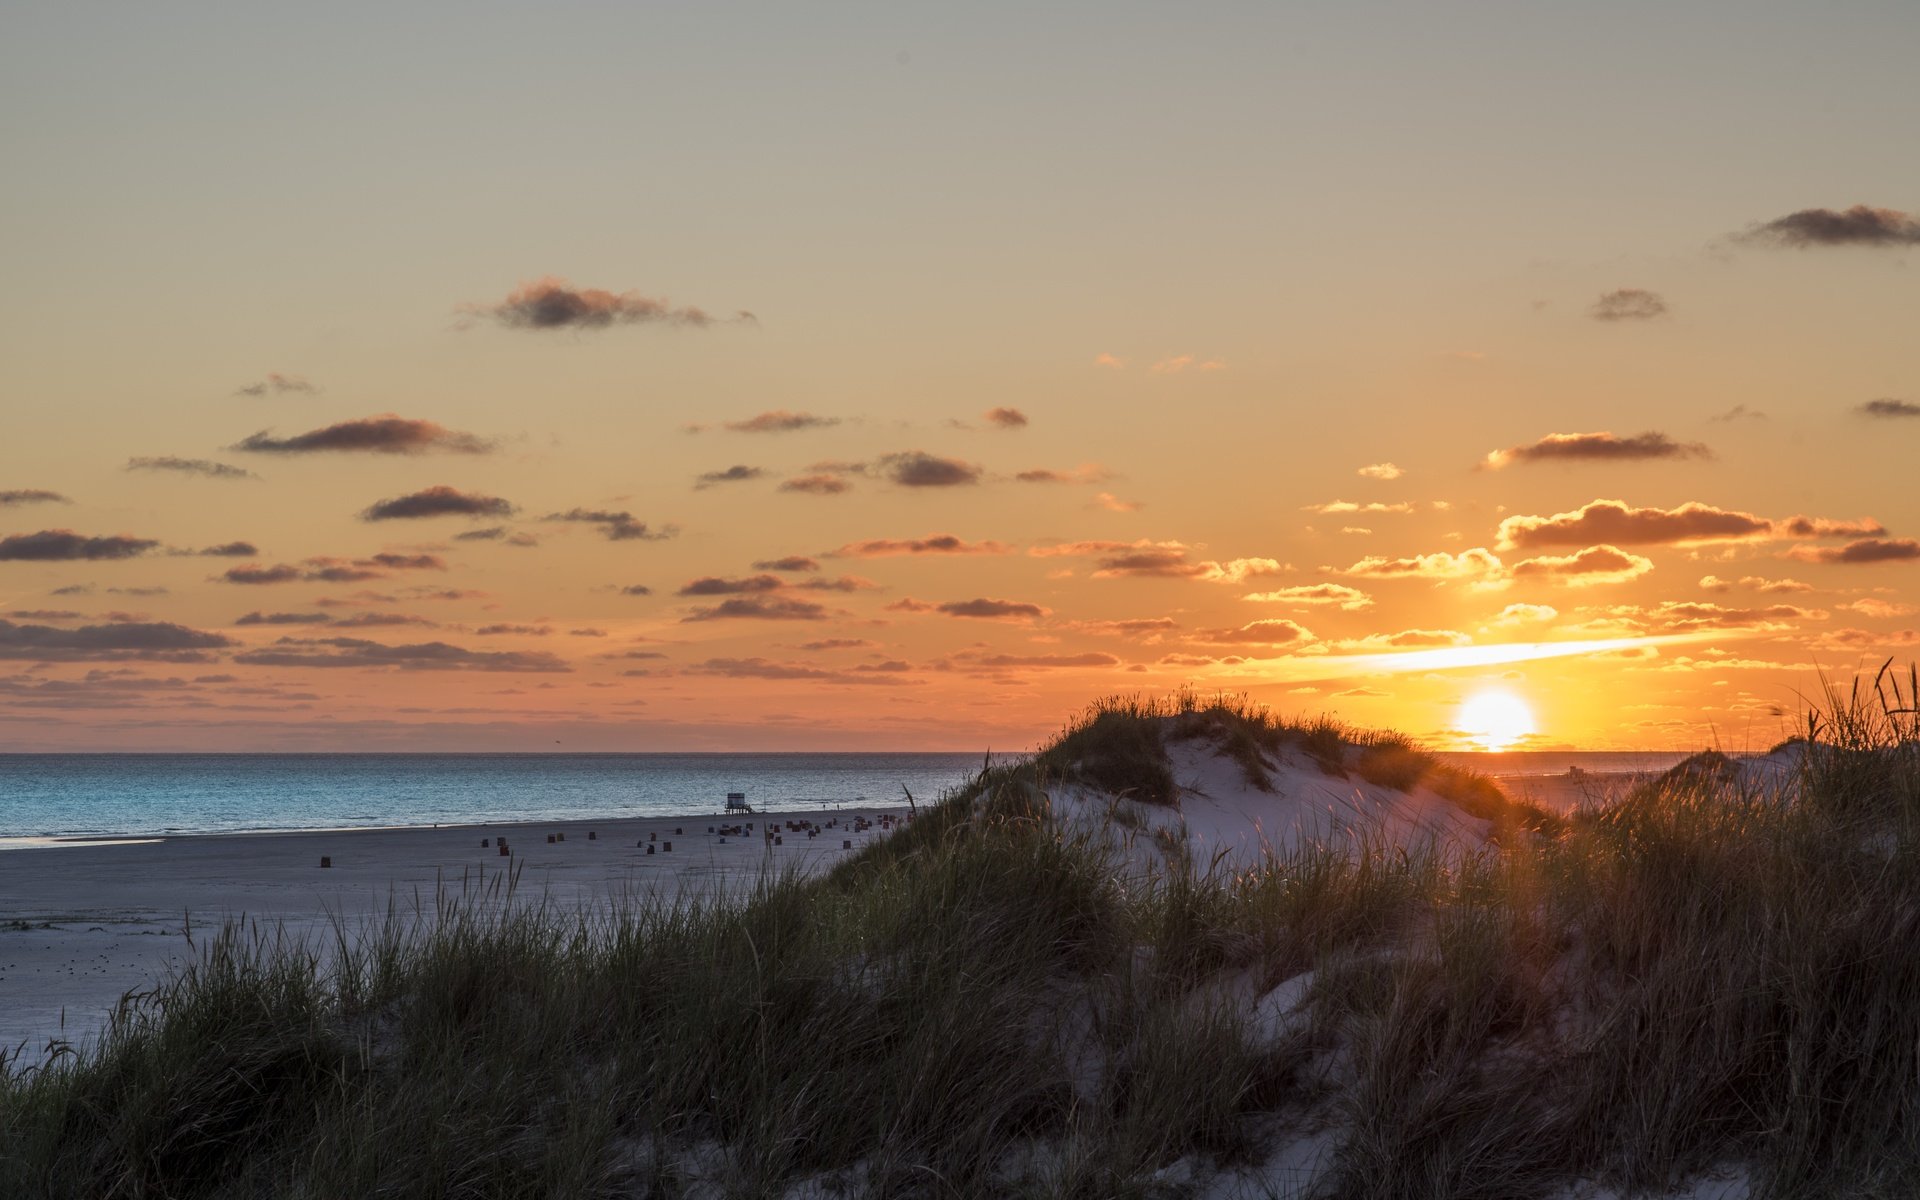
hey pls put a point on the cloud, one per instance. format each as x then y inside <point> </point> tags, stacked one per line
<point>1384,470</point>
<point>229,550</point>
<point>1515,614</point>
<point>9,499</point>
<point>917,468</point>
<point>497,533</point>
<point>438,501</point>
<point>1092,658</point>
<point>1865,550</point>
<point>189,466</point>
<point>1856,226</point>
<point>1109,361</point>
<point>513,630</point>
<point>715,586</point>
<point>993,610</point>
<point>1084,473</point>
<point>1180,362</point>
<point>1873,606</point>
<point>1593,565</point>
<point>1006,418</point>
<point>64,545</point>
<point>760,608</point>
<point>933,543</point>
<point>1164,560</point>
<point>1338,507</point>
<point>1137,627</point>
<point>779,420</point>
<point>1628,304</point>
<point>1614,522</point>
<point>551,303</point>
<point>817,485</point>
<point>383,434</point>
<point>792,562</point>
<point>1739,412</point>
<point>1597,447</point>
<point>736,474</point>
<point>1408,639</point>
<point>334,570</point>
<point>277,384</point>
<point>1757,583</point>
<point>1113,503</point>
<point>1694,615</point>
<point>374,620</point>
<point>1443,564</point>
<point>278,573</point>
<point>120,641</point>
<point>763,668</point>
<point>416,656</point>
<point>1317,594</point>
<point>615,526</point>
<point>1271,632</point>
<point>1889,407</point>
<point>844,583</point>
<point>284,618</point>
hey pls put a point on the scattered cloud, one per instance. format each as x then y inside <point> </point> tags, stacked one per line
<point>1137,627</point>
<point>1617,523</point>
<point>64,545</point>
<point>1342,507</point>
<point>1277,631</point>
<point>1092,658</point>
<point>1856,226</point>
<point>817,485</point>
<point>277,384</point>
<point>1113,503</point>
<point>714,586</point>
<point>119,641</point>
<point>1864,550</point>
<point>1756,583</point>
<point>1597,447</point>
<point>1477,562</point>
<point>1407,639</point>
<point>1739,412</point>
<point>1315,595</point>
<point>229,550</point>
<point>615,526</point>
<point>284,618</point>
<point>636,589</point>
<point>1084,473</point>
<point>1181,362</point>
<point>1112,362</point>
<point>17,496</point>
<point>779,420</point>
<point>765,668</point>
<point>735,474</point>
<point>792,562</point>
<point>1516,614</point>
<point>917,468</point>
<point>993,610</point>
<point>383,434</point>
<point>498,533</point>
<point>1889,407</point>
<point>189,466</point>
<point>1593,565</point>
<point>507,629</point>
<point>552,303</point>
<point>438,501</point>
<point>1383,470</point>
<point>1873,606</point>
<point>1628,304</point>
<point>933,543</point>
<point>760,608</point>
<point>1006,418</point>
<point>416,656</point>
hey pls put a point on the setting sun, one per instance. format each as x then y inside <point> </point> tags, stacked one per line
<point>1495,720</point>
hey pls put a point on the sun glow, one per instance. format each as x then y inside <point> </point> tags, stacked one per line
<point>1495,720</point>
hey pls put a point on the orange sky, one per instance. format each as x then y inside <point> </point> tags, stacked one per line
<point>607,381</point>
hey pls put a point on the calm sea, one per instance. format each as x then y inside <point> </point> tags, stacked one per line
<point>90,795</point>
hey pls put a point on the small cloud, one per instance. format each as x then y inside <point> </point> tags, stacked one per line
<point>1477,562</point>
<point>1084,473</point>
<point>438,501</point>
<point>1597,447</point>
<point>277,384</point>
<point>1756,583</point>
<point>418,656</point>
<point>1593,565</point>
<point>993,610</point>
<point>1315,595</point>
<point>760,608</point>
<point>1111,362</point>
<point>1092,658</point>
<point>792,562</point>
<point>1873,606</point>
<point>284,618</point>
<point>1865,550</point>
<point>933,543</point>
<point>17,496</point>
<point>837,644</point>
<point>816,485</point>
<point>1113,503</point>
<point>736,474</point>
<point>505,629</point>
<point>1888,407</point>
<point>1271,632</point>
<point>636,589</point>
<point>384,434</point>
<point>1616,523</point>
<point>229,550</point>
<point>64,545</point>
<point>1383,470</point>
<point>917,469</point>
<point>1856,226</point>
<point>1361,693</point>
<point>1518,614</point>
<point>1180,362</point>
<point>779,420</point>
<point>1006,418</point>
<point>117,642</point>
<point>497,533</point>
<point>1628,304</point>
<point>715,586</point>
<point>552,303</point>
<point>615,526</point>
<point>1341,507</point>
<point>1739,412</point>
<point>189,466</point>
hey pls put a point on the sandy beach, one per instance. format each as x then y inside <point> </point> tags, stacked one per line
<point>82,923</point>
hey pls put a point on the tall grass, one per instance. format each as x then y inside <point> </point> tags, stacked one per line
<point>1709,972</point>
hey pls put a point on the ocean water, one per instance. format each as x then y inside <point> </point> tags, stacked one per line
<point>97,795</point>
<point>131,795</point>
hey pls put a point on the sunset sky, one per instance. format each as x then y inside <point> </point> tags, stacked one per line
<point>595,377</point>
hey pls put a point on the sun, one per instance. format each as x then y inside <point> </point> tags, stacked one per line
<point>1495,720</point>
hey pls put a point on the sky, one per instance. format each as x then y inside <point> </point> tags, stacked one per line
<point>848,376</point>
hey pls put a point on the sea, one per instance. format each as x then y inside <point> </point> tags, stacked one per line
<point>48,797</point>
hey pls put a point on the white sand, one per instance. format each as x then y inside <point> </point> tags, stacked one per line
<point>105,918</point>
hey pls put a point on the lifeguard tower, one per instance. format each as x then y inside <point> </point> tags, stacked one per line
<point>737,802</point>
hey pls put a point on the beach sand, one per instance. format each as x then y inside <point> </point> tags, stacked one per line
<point>82,923</point>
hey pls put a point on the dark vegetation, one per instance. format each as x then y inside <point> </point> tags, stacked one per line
<point>1708,972</point>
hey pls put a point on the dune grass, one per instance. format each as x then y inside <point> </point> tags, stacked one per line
<point>982,1005</point>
